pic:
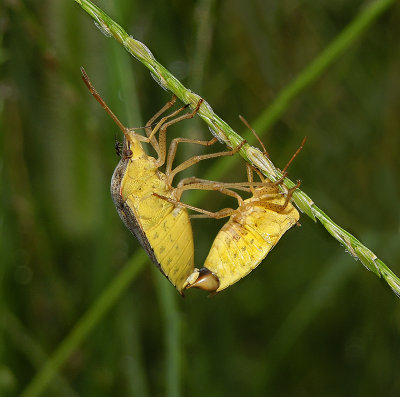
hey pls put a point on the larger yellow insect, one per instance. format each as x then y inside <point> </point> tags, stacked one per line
<point>163,229</point>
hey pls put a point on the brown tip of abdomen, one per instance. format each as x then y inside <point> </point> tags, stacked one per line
<point>206,281</point>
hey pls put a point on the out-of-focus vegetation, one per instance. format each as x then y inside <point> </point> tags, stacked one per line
<point>309,320</point>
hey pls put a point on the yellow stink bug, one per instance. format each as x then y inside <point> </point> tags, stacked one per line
<point>245,240</point>
<point>252,231</point>
<point>163,229</point>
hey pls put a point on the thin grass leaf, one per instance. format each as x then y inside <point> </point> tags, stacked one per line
<point>86,324</point>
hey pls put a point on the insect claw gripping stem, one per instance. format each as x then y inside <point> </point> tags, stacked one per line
<point>291,191</point>
<point>281,179</point>
<point>172,101</point>
<point>201,100</point>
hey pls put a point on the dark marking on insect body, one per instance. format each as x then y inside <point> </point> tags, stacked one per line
<point>118,147</point>
<point>125,212</point>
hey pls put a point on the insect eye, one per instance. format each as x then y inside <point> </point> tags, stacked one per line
<point>128,153</point>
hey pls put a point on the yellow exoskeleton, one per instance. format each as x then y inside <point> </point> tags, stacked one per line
<point>163,229</point>
<point>252,230</point>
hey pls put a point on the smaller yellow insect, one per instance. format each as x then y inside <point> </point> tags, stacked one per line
<point>252,231</point>
<point>245,240</point>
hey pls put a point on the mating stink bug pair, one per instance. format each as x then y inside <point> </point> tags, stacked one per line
<point>150,207</point>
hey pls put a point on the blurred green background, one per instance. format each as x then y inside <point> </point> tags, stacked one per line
<point>309,320</point>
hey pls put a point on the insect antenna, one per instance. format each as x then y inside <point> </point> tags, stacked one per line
<point>99,99</point>
<point>244,121</point>
<point>295,154</point>
<point>103,104</point>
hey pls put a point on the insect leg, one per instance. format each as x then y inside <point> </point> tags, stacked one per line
<point>225,212</point>
<point>279,208</point>
<point>195,159</point>
<point>295,154</point>
<point>210,185</point>
<point>258,172</point>
<point>280,180</point>
<point>249,171</point>
<point>150,136</point>
<point>174,145</point>
<point>265,151</point>
<point>244,121</point>
<point>162,140</point>
<point>244,186</point>
<point>148,130</point>
<point>290,193</point>
<point>267,185</point>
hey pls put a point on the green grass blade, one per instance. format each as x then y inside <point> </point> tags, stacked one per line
<point>172,322</point>
<point>347,37</point>
<point>86,324</point>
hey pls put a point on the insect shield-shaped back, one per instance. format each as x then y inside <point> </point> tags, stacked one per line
<point>162,229</point>
<point>246,239</point>
<point>250,235</point>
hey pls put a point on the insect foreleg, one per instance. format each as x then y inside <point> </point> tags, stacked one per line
<point>174,145</point>
<point>162,140</point>
<point>148,130</point>
<point>195,159</point>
